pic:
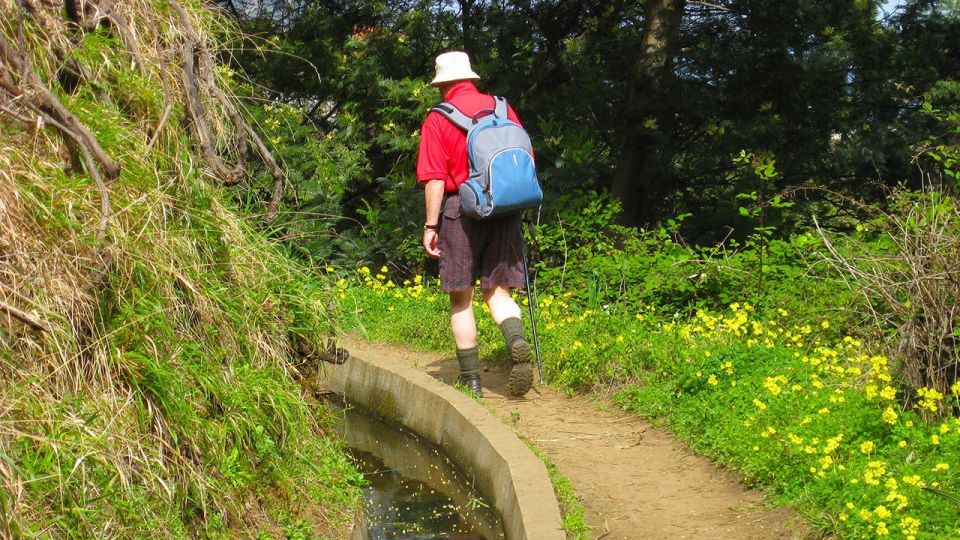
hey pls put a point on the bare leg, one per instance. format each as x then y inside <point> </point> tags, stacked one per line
<point>501,304</point>
<point>462,321</point>
<point>464,327</point>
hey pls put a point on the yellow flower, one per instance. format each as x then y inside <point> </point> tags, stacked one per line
<point>384,269</point>
<point>712,380</point>
<point>875,470</point>
<point>882,529</point>
<point>934,439</point>
<point>910,525</point>
<point>867,447</point>
<point>890,416</point>
<point>825,324</point>
<point>832,443</point>
<point>941,467</point>
<point>929,398</point>
<point>914,480</point>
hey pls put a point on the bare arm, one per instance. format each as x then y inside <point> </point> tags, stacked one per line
<point>433,199</point>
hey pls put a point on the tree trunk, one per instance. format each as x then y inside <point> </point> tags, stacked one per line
<point>632,182</point>
<point>466,25</point>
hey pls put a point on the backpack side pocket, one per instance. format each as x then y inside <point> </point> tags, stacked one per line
<point>473,200</point>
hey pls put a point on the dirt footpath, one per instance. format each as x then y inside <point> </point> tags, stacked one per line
<point>634,480</point>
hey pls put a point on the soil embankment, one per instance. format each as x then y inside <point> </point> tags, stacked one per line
<point>634,480</point>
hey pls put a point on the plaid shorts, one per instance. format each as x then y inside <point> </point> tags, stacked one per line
<point>493,248</point>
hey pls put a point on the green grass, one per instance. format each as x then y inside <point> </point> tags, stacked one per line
<point>570,507</point>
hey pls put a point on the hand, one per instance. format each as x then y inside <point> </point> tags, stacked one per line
<point>431,243</point>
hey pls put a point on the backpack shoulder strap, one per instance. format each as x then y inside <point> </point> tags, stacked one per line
<point>500,110</point>
<point>454,114</point>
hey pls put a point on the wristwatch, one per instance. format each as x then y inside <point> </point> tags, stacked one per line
<point>427,227</point>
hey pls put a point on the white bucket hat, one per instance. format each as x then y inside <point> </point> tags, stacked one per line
<point>453,66</point>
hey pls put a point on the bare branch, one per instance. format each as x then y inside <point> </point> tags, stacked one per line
<point>711,5</point>
<point>51,105</point>
<point>191,53</point>
<point>25,317</point>
<point>105,210</point>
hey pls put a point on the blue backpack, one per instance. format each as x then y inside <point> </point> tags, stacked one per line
<point>503,179</point>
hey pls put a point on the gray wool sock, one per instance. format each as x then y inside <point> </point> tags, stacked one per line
<point>512,329</point>
<point>469,360</point>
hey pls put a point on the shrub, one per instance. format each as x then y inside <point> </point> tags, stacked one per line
<point>906,271</point>
<point>620,269</point>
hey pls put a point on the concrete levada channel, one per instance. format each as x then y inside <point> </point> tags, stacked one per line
<point>414,492</point>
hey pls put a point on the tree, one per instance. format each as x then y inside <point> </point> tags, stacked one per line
<point>654,63</point>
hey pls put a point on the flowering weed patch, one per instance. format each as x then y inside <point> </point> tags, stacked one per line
<point>814,416</point>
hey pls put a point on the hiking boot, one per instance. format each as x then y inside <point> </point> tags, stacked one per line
<point>472,383</point>
<point>521,371</point>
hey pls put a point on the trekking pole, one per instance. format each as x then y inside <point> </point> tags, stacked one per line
<point>533,321</point>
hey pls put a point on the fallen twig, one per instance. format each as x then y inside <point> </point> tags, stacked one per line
<point>25,317</point>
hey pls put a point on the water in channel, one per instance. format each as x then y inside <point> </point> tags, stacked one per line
<point>414,492</point>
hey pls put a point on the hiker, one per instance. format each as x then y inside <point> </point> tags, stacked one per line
<point>465,246</point>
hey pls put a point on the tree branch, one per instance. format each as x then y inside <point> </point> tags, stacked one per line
<point>105,210</point>
<point>192,69</point>
<point>55,110</point>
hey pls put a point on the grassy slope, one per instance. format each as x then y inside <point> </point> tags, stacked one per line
<point>163,400</point>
